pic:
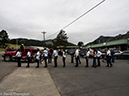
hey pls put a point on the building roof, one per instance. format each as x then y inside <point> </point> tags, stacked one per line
<point>111,43</point>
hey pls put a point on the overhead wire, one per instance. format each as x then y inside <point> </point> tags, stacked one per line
<point>51,15</point>
<point>79,9</point>
<point>78,18</point>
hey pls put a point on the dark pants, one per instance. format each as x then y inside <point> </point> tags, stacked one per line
<point>86,62</point>
<point>55,60</point>
<point>49,58</point>
<point>64,61</point>
<point>28,61</point>
<point>113,58</point>
<point>77,58</point>
<point>98,59</point>
<point>45,59</point>
<point>37,63</point>
<point>19,61</point>
<point>109,61</point>
<point>94,62</point>
<point>72,58</point>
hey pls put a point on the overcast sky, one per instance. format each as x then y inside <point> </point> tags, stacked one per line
<point>28,18</point>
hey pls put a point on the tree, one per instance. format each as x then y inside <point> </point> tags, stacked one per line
<point>61,39</point>
<point>3,38</point>
<point>80,43</point>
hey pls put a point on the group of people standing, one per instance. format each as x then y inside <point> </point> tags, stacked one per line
<point>96,55</point>
<point>42,55</point>
<point>47,54</point>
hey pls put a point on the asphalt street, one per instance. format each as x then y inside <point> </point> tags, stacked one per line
<point>100,81</point>
<point>74,81</point>
<point>6,67</point>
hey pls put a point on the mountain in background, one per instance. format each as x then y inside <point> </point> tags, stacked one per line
<point>33,42</point>
<point>103,39</point>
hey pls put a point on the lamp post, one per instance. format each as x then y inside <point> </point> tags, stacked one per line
<point>44,37</point>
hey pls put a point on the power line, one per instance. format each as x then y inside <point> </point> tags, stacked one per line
<point>78,18</point>
<point>83,14</point>
<point>79,9</point>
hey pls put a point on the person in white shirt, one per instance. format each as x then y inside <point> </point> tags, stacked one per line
<point>98,57</point>
<point>45,53</point>
<point>55,54</point>
<point>64,57</point>
<point>87,57</point>
<point>28,57</point>
<point>76,56</point>
<point>37,57</point>
<point>18,55</point>
<point>109,58</point>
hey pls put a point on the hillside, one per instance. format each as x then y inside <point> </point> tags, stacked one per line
<point>33,42</point>
<point>103,39</point>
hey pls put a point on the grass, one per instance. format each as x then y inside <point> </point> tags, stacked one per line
<point>2,49</point>
<point>11,46</point>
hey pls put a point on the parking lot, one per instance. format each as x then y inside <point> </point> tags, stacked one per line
<point>100,81</point>
<point>74,81</point>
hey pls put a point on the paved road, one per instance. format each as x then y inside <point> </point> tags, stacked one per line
<point>81,81</point>
<point>101,81</point>
<point>6,67</point>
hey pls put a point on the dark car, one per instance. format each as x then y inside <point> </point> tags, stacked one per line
<point>82,52</point>
<point>123,55</point>
<point>71,51</point>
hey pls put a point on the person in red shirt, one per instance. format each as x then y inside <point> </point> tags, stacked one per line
<point>8,48</point>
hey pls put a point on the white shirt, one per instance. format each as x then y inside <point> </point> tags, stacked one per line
<point>95,54</point>
<point>45,52</point>
<point>76,53</point>
<point>88,54</point>
<point>18,54</point>
<point>55,53</point>
<point>38,55</point>
<point>109,53</point>
<point>99,54</point>
<point>28,54</point>
<point>64,54</point>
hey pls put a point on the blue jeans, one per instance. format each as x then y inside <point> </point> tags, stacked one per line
<point>94,62</point>
<point>79,60</point>
<point>113,58</point>
<point>109,60</point>
<point>49,58</point>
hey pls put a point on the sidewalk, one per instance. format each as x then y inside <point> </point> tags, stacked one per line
<point>29,82</point>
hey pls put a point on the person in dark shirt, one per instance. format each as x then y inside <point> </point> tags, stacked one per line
<point>22,47</point>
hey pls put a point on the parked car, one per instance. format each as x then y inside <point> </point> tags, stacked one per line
<point>11,55</point>
<point>82,52</point>
<point>71,51</point>
<point>122,55</point>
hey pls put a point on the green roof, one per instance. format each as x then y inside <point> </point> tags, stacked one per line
<point>116,42</point>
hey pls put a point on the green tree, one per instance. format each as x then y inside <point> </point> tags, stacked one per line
<point>80,43</point>
<point>61,39</point>
<point>3,38</point>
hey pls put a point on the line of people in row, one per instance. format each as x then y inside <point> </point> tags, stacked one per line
<point>47,54</point>
<point>96,55</point>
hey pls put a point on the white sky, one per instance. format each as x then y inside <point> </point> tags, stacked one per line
<point>28,18</point>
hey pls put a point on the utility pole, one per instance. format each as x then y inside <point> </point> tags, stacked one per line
<point>44,37</point>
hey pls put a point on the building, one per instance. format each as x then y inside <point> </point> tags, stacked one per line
<point>121,44</point>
